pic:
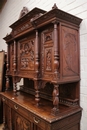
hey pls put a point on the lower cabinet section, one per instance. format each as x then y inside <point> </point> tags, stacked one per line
<point>19,122</point>
<point>17,115</point>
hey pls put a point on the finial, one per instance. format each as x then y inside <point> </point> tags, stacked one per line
<point>55,6</point>
<point>23,12</point>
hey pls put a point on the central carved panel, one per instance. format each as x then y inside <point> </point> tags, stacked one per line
<point>27,54</point>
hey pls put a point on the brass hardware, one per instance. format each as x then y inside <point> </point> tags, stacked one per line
<point>3,99</point>
<point>16,107</point>
<point>36,121</point>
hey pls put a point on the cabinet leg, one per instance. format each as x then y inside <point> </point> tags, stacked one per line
<point>7,83</point>
<point>37,96</point>
<point>15,86</point>
<point>55,109</point>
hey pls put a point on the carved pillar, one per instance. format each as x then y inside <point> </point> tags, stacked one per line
<point>14,86</point>
<point>7,82</point>
<point>14,64</point>
<point>56,55</point>
<point>4,123</point>
<point>37,96</point>
<point>7,65</point>
<point>7,69</point>
<point>55,110</point>
<point>37,55</point>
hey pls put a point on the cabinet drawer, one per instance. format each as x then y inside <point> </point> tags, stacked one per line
<point>25,113</point>
<point>38,121</point>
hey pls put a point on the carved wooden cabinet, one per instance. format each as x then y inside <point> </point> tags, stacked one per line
<point>43,49</point>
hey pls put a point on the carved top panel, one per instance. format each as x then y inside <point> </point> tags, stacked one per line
<point>36,17</point>
<point>27,16</point>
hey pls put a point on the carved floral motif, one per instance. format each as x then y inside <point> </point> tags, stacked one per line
<point>49,60</point>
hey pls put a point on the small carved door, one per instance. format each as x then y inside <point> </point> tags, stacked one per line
<point>47,53</point>
<point>22,123</point>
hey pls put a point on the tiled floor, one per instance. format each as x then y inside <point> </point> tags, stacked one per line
<point>1,126</point>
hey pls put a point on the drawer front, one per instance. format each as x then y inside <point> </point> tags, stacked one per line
<point>39,122</point>
<point>25,113</point>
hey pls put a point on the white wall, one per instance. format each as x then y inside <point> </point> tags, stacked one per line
<point>10,14</point>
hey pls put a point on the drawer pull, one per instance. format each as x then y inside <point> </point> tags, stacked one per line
<point>36,121</point>
<point>3,99</point>
<point>16,107</point>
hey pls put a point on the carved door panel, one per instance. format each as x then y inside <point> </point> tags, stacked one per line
<point>70,53</point>
<point>7,117</point>
<point>13,119</point>
<point>26,57</point>
<point>47,54</point>
<point>22,123</point>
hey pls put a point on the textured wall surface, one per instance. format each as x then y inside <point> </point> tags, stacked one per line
<point>10,13</point>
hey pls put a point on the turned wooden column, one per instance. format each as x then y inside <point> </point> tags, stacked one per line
<point>56,55</point>
<point>7,69</point>
<point>37,97</point>
<point>37,55</point>
<point>56,73</point>
<point>14,64</point>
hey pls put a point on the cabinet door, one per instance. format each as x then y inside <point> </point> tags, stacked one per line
<point>47,54</point>
<point>7,117</point>
<point>35,127</point>
<point>26,56</point>
<point>21,123</point>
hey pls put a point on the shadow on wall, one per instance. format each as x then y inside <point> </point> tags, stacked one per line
<point>2,3</point>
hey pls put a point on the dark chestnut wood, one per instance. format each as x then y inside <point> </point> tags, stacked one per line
<point>43,49</point>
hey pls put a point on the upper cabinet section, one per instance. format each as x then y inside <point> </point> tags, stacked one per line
<point>24,25</point>
<point>44,46</point>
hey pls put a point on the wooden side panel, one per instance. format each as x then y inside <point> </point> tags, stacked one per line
<point>70,52</point>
